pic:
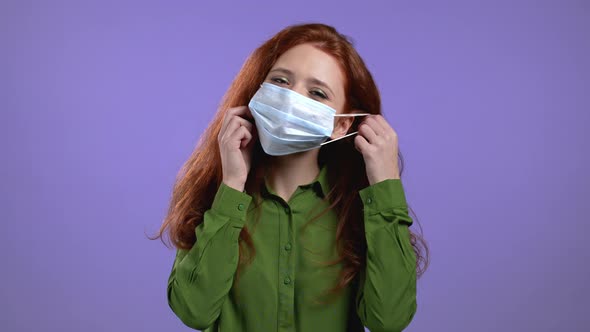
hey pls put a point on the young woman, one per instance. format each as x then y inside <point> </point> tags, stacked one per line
<point>290,214</point>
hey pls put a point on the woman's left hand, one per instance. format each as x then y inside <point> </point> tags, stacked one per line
<point>377,142</point>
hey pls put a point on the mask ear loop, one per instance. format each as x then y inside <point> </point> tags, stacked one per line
<point>343,115</point>
<point>353,114</point>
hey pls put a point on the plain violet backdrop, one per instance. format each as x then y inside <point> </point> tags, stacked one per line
<point>101,102</point>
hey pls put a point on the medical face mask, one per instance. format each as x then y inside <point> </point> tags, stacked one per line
<point>288,122</point>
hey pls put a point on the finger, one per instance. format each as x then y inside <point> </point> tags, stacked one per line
<point>243,112</point>
<point>361,144</point>
<point>248,137</point>
<point>383,123</point>
<point>234,123</point>
<point>244,123</point>
<point>243,135</point>
<point>240,111</point>
<point>375,125</point>
<point>229,114</point>
<point>367,132</point>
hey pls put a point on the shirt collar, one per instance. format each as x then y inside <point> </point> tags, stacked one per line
<point>322,179</point>
<point>319,184</point>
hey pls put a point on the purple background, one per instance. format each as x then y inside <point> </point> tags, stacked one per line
<point>102,102</point>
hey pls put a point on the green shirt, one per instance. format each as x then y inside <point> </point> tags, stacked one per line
<point>276,291</point>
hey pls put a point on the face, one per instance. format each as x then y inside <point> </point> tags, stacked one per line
<point>313,73</point>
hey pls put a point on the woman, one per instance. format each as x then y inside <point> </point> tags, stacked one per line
<point>278,228</point>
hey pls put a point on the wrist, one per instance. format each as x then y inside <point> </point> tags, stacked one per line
<point>383,177</point>
<point>237,185</point>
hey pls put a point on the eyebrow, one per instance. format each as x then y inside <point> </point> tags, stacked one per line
<point>312,80</point>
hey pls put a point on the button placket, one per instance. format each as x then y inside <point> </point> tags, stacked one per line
<point>286,267</point>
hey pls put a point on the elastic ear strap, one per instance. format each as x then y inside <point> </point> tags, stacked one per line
<point>339,138</point>
<point>353,114</point>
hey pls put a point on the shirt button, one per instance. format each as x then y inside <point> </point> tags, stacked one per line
<point>287,280</point>
<point>241,207</point>
<point>288,246</point>
<point>369,200</point>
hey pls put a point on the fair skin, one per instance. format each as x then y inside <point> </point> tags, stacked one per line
<point>317,75</point>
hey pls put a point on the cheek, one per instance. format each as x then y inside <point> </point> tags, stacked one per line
<point>339,106</point>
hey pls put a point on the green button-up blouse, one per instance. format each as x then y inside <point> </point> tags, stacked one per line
<point>276,291</point>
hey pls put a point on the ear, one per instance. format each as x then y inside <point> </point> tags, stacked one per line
<point>341,125</point>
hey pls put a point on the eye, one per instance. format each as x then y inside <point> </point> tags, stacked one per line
<point>280,80</point>
<point>319,93</point>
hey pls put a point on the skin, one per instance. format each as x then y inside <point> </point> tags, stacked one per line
<point>299,69</point>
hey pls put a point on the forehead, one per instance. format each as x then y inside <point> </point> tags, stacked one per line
<point>310,62</point>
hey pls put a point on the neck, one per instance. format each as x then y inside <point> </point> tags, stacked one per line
<point>290,171</point>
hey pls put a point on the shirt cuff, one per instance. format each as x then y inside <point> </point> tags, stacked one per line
<point>231,203</point>
<point>383,196</point>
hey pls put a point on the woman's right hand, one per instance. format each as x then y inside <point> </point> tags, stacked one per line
<point>236,139</point>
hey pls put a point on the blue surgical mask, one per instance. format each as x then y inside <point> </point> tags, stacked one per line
<point>288,122</point>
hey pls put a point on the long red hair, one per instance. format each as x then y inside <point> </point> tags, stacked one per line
<point>201,175</point>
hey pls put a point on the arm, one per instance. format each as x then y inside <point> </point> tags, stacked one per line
<point>202,276</point>
<point>386,296</point>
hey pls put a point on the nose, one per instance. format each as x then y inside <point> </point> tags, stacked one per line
<point>299,88</point>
